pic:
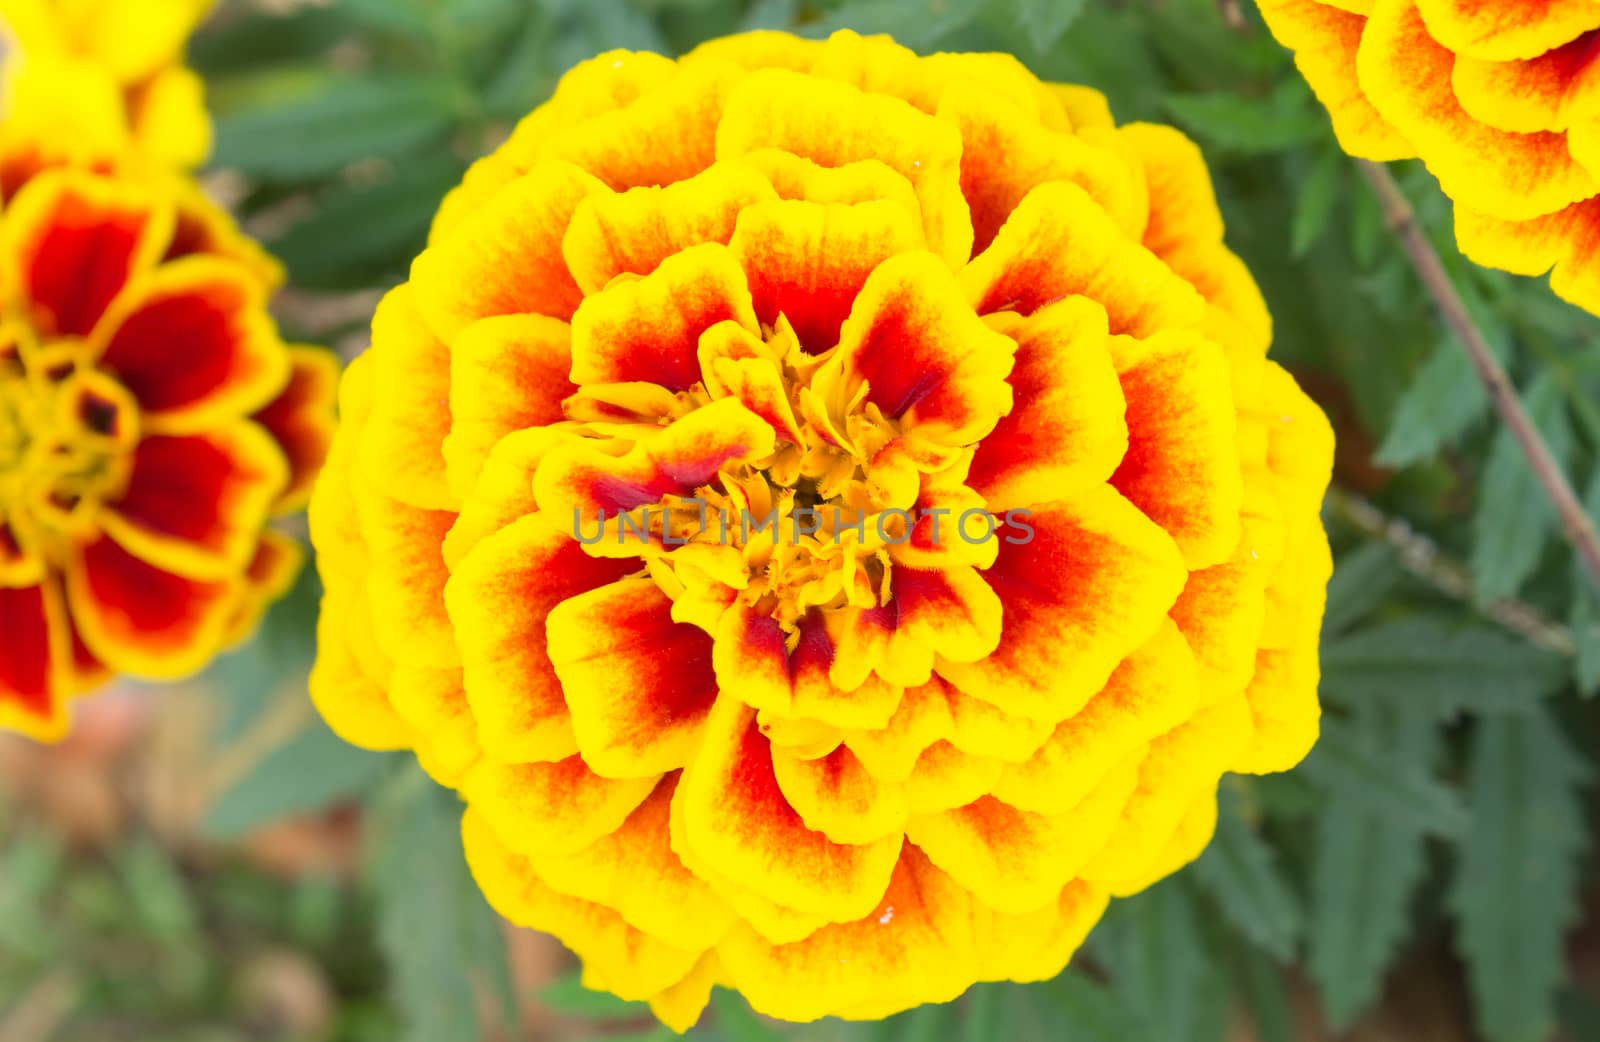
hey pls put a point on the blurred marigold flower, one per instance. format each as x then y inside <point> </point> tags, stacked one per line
<point>851,765</point>
<point>114,70</point>
<point>151,422</point>
<point>1501,100</point>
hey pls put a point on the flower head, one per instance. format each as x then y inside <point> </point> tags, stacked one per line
<point>112,69</point>
<point>1501,100</point>
<point>151,421</point>
<point>830,514</point>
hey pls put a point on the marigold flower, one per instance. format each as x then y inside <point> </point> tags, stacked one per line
<point>631,526</point>
<point>114,70</point>
<point>151,421</point>
<point>1501,100</point>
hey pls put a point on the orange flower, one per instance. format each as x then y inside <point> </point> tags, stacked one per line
<point>1501,100</point>
<point>151,421</point>
<point>115,67</point>
<point>632,529</point>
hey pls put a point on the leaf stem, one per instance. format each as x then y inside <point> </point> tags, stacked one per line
<point>1401,219</point>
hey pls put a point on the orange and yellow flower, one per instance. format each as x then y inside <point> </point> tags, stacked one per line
<point>631,528</point>
<point>151,422</point>
<point>114,69</point>
<point>1501,100</point>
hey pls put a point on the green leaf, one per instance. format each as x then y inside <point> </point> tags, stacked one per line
<point>1439,668</point>
<point>1240,870</point>
<point>1514,518</point>
<point>566,994</point>
<point>1283,119</point>
<point>1441,403</point>
<point>1047,21</point>
<point>1316,201</point>
<point>337,124</point>
<point>1516,891</point>
<point>1365,868</point>
<point>358,235</point>
<point>1158,964</point>
<point>1355,767</point>
<point>1361,580</point>
<point>1266,996</point>
<point>308,773</point>
<point>430,913</point>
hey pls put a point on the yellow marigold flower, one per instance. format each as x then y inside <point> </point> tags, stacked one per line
<point>1501,100</point>
<point>632,526</point>
<point>116,67</point>
<point>151,422</point>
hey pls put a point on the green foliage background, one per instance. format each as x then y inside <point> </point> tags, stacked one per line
<point>1450,798</point>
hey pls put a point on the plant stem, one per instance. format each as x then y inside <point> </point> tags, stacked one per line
<point>1397,212</point>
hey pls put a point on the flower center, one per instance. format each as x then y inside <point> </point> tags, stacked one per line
<point>798,524</point>
<point>66,435</point>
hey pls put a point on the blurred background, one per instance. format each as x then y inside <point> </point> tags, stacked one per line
<point>206,862</point>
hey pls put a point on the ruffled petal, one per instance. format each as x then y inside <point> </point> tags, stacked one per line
<point>192,340</point>
<point>632,232</point>
<point>196,504</point>
<point>1406,73</point>
<point>141,619</point>
<point>505,259</point>
<point>834,124</point>
<point>808,261</point>
<point>1068,426</point>
<point>499,598</point>
<point>1325,41</point>
<point>648,329</point>
<point>1058,243</point>
<point>1182,466</point>
<point>639,685</point>
<point>300,419</point>
<point>1092,584</point>
<point>400,444</point>
<point>73,242</point>
<point>35,661</point>
<point>736,817</point>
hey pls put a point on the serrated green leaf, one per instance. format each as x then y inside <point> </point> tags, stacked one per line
<point>1361,580</point>
<point>1047,21</point>
<point>1365,868</point>
<point>1158,965</point>
<point>1435,667</point>
<point>1514,517</point>
<point>1266,995</point>
<point>1240,871</point>
<point>1355,766</point>
<point>309,773</point>
<point>337,124</point>
<point>1441,403</point>
<point>1315,202</point>
<point>430,912</point>
<point>1516,890</point>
